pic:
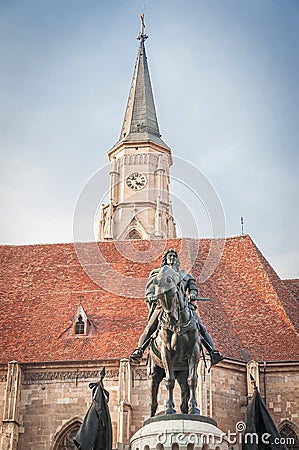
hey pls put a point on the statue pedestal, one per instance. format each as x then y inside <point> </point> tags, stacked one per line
<point>179,432</point>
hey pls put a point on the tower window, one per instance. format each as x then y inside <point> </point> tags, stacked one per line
<point>80,326</point>
<point>134,235</point>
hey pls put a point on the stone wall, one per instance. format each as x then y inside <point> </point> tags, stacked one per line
<point>229,394</point>
<point>279,385</point>
<point>52,396</point>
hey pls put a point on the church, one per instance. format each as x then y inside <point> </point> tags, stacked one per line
<point>68,310</point>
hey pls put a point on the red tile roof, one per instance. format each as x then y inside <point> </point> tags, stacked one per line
<point>293,286</point>
<point>253,312</point>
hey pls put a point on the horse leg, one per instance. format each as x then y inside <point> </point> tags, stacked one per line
<point>169,372</point>
<point>182,377</point>
<point>170,380</point>
<point>155,379</point>
<point>192,380</point>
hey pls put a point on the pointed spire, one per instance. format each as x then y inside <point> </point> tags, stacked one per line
<point>140,121</point>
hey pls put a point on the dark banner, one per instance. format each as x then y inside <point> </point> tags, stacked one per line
<point>261,432</point>
<point>95,432</point>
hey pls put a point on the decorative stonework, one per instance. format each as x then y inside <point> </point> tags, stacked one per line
<point>125,402</point>
<point>11,413</point>
<point>139,374</point>
<point>204,389</point>
<point>3,378</point>
<point>67,376</point>
<point>252,371</point>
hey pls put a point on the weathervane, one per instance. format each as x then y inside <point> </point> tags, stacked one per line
<point>142,36</point>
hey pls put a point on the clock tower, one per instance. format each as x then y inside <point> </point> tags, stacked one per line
<point>139,205</point>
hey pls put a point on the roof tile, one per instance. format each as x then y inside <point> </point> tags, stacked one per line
<point>41,287</point>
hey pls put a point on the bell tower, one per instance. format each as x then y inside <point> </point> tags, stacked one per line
<point>139,205</point>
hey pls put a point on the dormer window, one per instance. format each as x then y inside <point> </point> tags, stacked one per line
<point>80,326</point>
<point>81,323</point>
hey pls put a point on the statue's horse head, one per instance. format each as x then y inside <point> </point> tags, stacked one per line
<point>166,291</point>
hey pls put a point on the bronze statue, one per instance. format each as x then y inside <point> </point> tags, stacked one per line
<point>175,333</point>
<point>96,429</point>
<point>188,287</point>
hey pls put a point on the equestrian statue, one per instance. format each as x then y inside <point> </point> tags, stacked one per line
<point>174,334</point>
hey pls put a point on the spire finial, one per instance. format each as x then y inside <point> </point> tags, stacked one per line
<point>142,36</point>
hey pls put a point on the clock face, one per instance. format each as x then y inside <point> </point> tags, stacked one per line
<point>136,181</point>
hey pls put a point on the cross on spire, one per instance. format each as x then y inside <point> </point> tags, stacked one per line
<point>142,36</point>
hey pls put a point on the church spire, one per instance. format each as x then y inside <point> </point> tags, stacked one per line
<point>140,121</point>
<point>139,203</point>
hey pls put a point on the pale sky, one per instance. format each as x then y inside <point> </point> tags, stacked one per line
<point>225,80</point>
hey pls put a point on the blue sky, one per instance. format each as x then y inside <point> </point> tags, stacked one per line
<point>225,80</point>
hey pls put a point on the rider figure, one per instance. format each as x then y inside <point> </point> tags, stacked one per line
<point>189,287</point>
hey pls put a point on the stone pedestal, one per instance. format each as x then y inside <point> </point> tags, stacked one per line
<point>179,432</point>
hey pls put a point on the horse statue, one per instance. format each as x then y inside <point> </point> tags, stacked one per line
<point>175,348</point>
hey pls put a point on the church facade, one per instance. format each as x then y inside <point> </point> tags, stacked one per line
<point>63,321</point>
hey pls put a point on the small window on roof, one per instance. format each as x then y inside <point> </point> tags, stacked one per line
<point>80,326</point>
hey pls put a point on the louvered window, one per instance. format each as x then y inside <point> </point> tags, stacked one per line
<point>80,326</point>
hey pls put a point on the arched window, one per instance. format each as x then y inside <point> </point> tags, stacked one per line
<point>80,326</point>
<point>290,437</point>
<point>134,235</point>
<point>65,440</point>
<point>159,447</point>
